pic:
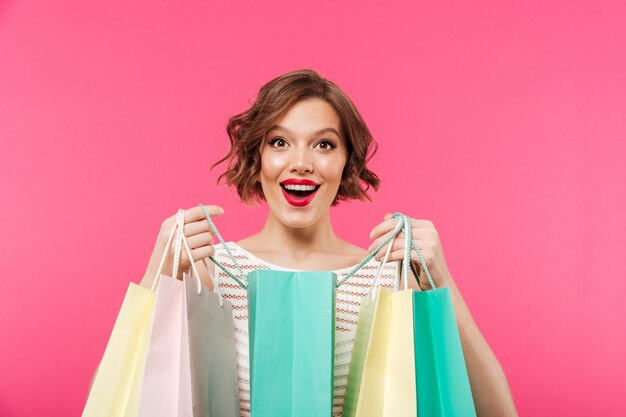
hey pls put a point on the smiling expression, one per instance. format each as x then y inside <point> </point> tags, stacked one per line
<point>302,161</point>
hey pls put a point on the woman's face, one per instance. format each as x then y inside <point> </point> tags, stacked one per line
<point>302,160</point>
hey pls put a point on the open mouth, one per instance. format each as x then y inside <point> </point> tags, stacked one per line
<point>299,195</point>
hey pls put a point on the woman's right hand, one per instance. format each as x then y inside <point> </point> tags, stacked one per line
<point>199,236</point>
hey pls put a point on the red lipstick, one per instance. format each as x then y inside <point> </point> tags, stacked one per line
<point>298,181</point>
<point>291,195</point>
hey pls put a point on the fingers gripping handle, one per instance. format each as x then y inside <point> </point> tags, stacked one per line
<point>373,253</point>
<point>181,241</point>
<point>403,225</point>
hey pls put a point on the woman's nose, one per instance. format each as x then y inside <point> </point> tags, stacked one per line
<point>301,162</point>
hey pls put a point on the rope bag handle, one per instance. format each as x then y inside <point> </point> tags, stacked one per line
<point>404,224</point>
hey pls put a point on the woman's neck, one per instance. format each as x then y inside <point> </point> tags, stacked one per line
<point>275,236</point>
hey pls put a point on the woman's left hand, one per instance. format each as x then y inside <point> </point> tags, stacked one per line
<point>426,238</point>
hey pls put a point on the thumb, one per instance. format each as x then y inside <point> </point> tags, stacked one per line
<point>387,216</point>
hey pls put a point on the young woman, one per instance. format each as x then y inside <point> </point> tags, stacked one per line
<point>303,147</point>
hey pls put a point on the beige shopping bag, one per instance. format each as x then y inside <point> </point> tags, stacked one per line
<point>115,390</point>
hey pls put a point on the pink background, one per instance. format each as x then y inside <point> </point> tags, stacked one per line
<point>504,124</point>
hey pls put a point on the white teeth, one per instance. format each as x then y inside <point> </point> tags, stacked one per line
<point>295,187</point>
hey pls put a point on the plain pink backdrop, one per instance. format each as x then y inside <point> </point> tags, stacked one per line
<point>503,123</point>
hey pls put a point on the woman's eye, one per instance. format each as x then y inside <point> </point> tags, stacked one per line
<point>278,142</point>
<point>326,145</point>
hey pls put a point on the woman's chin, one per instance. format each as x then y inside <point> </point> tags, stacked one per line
<point>298,219</point>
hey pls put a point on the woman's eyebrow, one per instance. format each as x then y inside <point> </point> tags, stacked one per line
<point>319,132</point>
<point>327,130</point>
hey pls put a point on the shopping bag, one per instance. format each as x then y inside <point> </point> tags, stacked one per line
<point>135,353</point>
<point>165,391</point>
<point>161,391</point>
<point>381,379</point>
<point>443,387</point>
<point>116,387</point>
<point>214,386</point>
<point>387,383</point>
<point>292,339</point>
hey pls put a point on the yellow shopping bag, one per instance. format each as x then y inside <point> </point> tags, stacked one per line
<point>381,381</point>
<point>388,380</point>
<point>117,386</point>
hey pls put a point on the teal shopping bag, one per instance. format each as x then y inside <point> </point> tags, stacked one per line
<point>291,319</point>
<point>443,387</point>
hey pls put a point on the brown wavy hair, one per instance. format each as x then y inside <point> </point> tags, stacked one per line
<point>247,131</point>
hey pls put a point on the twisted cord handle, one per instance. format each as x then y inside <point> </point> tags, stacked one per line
<point>242,282</point>
<point>155,281</point>
<point>380,271</point>
<point>216,282</point>
<point>404,224</point>
<point>413,245</point>
<point>183,238</point>
<point>398,229</point>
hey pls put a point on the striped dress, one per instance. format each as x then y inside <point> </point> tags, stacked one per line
<point>349,297</point>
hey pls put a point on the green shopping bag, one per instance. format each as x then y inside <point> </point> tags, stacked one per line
<point>292,338</point>
<point>443,387</point>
